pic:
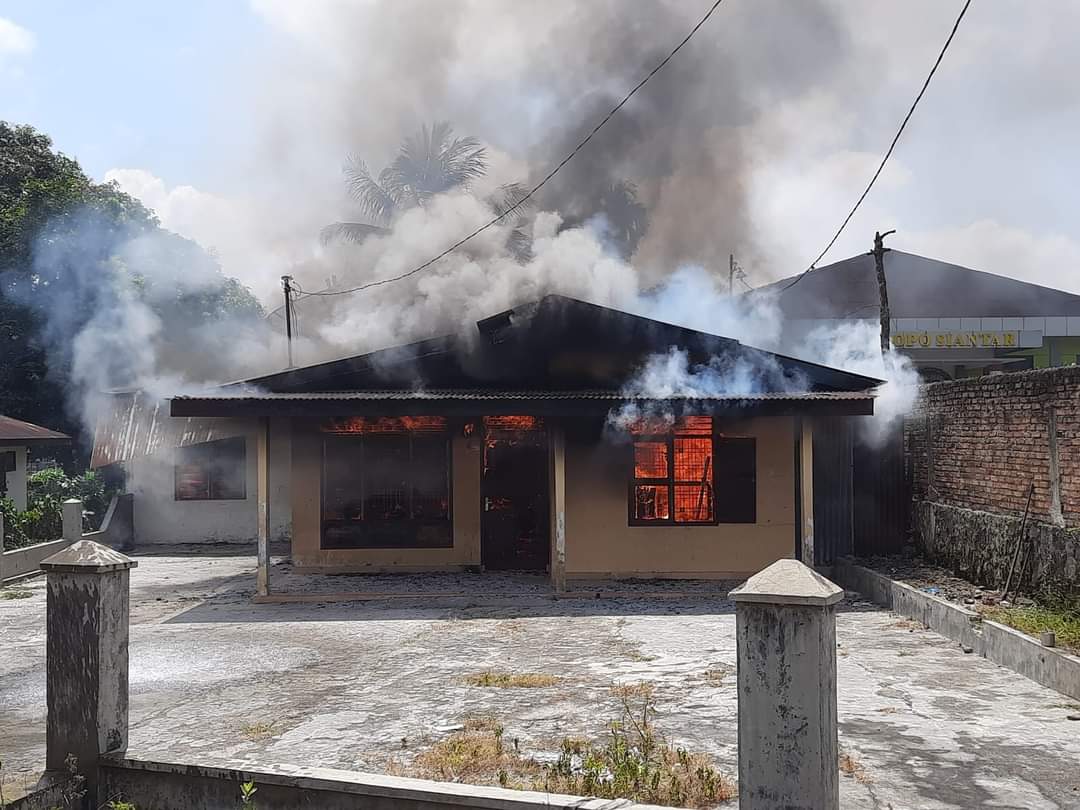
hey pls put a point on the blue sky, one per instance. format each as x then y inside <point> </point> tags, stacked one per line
<point>232,118</point>
<point>123,83</point>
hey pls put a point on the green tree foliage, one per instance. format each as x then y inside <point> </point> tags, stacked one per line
<point>429,163</point>
<point>71,249</point>
<point>46,491</point>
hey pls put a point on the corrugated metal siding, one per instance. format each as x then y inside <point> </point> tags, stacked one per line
<point>881,493</point>
<point>134,424</point>
<point>832,490</point>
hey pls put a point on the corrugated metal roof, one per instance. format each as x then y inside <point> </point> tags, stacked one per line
<point>481,395</point>
<point>135,425</point>
<point>16,430</point>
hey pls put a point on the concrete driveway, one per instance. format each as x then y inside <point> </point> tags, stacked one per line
<point>366,685</point>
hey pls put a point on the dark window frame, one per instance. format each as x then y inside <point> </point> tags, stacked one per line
<point>202,455</point>
<point>375,543</point>
<point>721,510</point>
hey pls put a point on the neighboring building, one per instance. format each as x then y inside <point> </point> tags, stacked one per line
<point>495,451</point>
<point>952,321</point>
<point>17,438</point>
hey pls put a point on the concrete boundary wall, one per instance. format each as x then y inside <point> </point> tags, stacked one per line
<point>995,642</point>
<point>23,562</point>
<point>117,531</point>
<point>148,783</point>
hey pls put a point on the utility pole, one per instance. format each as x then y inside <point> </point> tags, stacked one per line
<point>734,272</point>
<point>879,262</point>
<point>286,283</point>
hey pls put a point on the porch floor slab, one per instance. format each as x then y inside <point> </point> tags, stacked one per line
<point>286,585</point>
<point>366,686</point>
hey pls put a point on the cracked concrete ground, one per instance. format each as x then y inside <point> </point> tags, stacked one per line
<point>365,685</point>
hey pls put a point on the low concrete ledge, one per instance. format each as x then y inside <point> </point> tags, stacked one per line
<point>993,641</point>
<point>24,562</point>
<point>149,783</point>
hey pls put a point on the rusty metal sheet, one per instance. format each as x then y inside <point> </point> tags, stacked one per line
<point>134,424</point>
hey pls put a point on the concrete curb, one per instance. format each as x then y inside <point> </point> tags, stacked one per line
<point>21,563</point>
<point>149,783</point>
<point>995,642</point>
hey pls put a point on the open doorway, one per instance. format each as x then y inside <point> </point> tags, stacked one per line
<point>515,520</point>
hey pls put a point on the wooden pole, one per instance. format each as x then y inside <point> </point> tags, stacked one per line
<point>1019,542</point>
<point>883,293</point>
<point>286,283</point>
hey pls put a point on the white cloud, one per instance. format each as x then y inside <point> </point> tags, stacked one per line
<point>14,39</point>
<point>225,225</point>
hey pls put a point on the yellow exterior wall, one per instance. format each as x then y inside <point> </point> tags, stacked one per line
<point>306,497</point>
<point>599,543</point>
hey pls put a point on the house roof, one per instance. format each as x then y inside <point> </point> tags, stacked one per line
<point>550,344</point>
<point>25,433</point>
<point>918,287</point>
<point>525,402</point>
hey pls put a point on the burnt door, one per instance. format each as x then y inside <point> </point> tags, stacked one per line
<point>514,520</point>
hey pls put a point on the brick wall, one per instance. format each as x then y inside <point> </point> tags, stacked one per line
<point>979,443</point>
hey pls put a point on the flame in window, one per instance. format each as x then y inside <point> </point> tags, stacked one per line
<point>673,472</point>
<point>664,424</point>
<point>385,424</point>
<point>513,423</point>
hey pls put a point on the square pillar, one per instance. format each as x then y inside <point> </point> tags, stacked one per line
<point>557,443</point>
<point>262,454</point>
<point>785,625</point>
<point>804,478</point>
<point>86,655</point>
<point>71,519</point>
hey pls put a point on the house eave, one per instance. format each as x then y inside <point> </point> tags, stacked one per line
<point>324,407</point>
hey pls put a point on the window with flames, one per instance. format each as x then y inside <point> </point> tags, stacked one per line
<point>686,474</point>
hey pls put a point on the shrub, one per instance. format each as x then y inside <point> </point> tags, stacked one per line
<point>46,491</point>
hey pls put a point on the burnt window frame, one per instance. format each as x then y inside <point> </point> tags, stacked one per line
<point>203,453</point>
<point>378,542</point>
<point>722,511</point>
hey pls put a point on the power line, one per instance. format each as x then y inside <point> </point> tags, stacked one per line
<point>888,154</point>
<point>549,175</point>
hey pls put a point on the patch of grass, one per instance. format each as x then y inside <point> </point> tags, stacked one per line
<point>254,732</point>
<point>511,680</point>
<point>476,756</point>
<point>1058,614</point>
<point>849,766</point>
<point>15,593</point>
<point>632,762</point>
<point>627,692</point>
<point>717,675</point>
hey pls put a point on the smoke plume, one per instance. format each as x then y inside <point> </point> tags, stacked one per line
<point>644,219</point>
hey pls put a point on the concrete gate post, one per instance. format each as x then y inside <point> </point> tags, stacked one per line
<point>786,632</point>
<point>86,645</point>
<point>71,517</point>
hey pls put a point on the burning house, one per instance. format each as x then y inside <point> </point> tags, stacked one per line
<point>533,443</point>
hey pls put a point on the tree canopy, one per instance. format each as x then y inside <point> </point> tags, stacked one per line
<point>69,248</point>
<point>429,162</point>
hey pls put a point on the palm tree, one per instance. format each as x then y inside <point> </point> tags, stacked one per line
<point>429,163</point>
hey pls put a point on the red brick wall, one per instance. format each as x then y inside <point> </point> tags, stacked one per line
<point>980,443</point>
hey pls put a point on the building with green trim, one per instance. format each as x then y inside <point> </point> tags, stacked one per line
<point>952,321</point>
